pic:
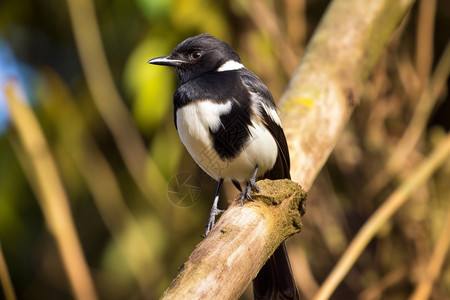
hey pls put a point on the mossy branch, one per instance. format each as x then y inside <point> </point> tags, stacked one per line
<point>227,260</point>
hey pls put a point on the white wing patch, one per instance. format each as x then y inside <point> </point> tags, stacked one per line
<point>230,65</point>
<point>271,112</point>
<point>199,116</point>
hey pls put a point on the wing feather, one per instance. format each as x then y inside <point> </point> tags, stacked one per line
<point>266,109</point>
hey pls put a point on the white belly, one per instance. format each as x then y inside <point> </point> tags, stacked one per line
<point>194,122</point>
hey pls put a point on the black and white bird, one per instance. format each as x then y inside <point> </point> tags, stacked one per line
<point>226,118</point>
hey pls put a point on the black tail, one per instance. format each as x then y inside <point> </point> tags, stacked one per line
<point>275,280</point>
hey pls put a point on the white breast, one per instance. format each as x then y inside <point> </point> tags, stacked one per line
<point>194,122</point>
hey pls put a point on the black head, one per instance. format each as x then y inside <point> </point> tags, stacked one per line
<point>197,55</point>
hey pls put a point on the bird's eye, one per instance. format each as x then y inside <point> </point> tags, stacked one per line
<point>196,55</point>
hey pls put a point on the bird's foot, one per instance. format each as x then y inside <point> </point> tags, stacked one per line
<point>212,218</point>
<point>251,186</point>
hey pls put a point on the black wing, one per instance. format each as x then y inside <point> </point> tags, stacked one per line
<point>266,107</point>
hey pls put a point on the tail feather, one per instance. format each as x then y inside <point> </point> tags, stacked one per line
<point>275,280</point>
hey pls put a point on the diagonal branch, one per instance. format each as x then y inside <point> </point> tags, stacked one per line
<point>224,264</point>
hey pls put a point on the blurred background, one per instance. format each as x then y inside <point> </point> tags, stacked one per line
<point>140,203</point>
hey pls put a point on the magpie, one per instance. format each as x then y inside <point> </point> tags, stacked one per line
<point>227,119</point>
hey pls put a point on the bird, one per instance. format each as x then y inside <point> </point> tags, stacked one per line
<point>227,119</point>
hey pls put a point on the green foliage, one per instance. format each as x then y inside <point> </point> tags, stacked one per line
<point>155,8</point>
<point>151,88</point>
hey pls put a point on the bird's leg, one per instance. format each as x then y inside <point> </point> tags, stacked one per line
<point>214,210</point>
<point>251,185</point>
<point>252,181</point>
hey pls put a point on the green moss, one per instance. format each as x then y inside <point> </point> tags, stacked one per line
<point>274,192</point>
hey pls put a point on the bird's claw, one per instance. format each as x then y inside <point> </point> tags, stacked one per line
<point>212,219</point>
<point>251,186</point>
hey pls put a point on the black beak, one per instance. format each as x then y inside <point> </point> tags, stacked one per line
<point>166,61</point>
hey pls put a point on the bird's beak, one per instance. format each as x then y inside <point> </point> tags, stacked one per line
<point>165,61</point>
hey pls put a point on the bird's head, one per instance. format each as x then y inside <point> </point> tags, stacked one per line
<point>198,55</point>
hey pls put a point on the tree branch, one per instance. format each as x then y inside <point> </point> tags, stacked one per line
<point>326,85</point>
<point>227,260</point>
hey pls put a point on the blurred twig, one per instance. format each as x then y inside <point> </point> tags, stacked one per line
<point>376,291</point>
<point>266,20</point>
<point>303,273</point>
<point>5,280</point>
<point>100,179</point>
<point>416,126</point>
<point>108,100</point>
<point>49,189</point>
<point>425,38</point>
<point>429,276</point>
<point>296,25</point>
<point>382,214</point>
